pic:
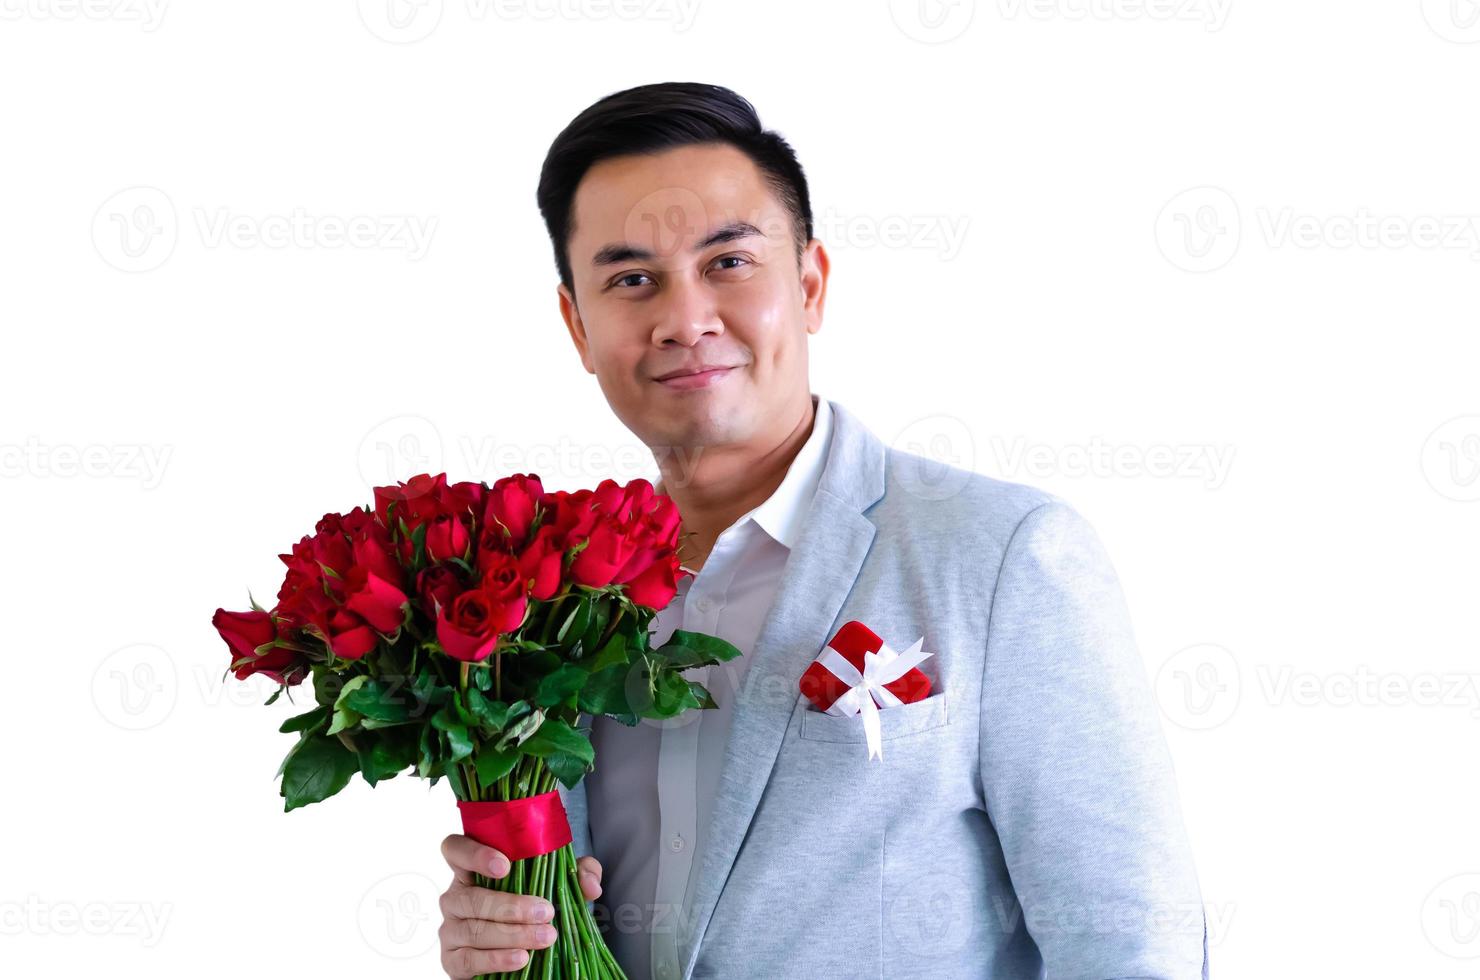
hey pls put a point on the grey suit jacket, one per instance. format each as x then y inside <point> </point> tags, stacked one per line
<point>1023,822</point>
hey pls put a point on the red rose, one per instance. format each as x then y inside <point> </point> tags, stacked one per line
<point>349,636</point>
<point>465,500</point>
<point>570,516</point>
<point>447,537</point>
<point>374,600</point>
<point>437,585</point>
<point>469,629</point>
<point>244,632</point>
<point>413,501</point>
<point>655,586</point>
<point>492,542</point>
<point>372,551</point>
<point>541,564</point>
<point>330,544</point>
<point>307,609</point>
<point>509,510</point>
<point>304,580</point>
<point>504,583</point>
<point>651,573</point>
<point>610,545</point>
<point>663,520</point>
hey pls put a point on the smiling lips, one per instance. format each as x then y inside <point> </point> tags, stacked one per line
<point>700,377</point>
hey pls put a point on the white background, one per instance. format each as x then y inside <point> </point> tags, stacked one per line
<point>1206,269</point>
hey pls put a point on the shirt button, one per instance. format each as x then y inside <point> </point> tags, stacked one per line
<point>705,605</point>
<point>665,969</point>
<point>676,844</point>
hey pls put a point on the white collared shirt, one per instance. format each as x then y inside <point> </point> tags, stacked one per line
<point>651,794</point>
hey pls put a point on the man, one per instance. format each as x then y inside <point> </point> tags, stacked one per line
<point>1021,820</point>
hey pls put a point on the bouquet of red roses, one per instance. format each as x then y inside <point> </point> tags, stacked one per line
<point>461,630</point>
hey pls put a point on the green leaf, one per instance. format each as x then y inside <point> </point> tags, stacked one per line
<point>567,768</point>
<point>327,685</point>
<point>495,716</point>
<point>556,687</point>
<point>343,721</point>
<point>708,649</point>
<point>601,610</point>
<point>521,730</point>
<point>427,754</point>
<point>575,623</point>
<point>679,657</point>
<point>702,695</point>
<point>316,771</point>
<point>606,692</point>
<point>375,699</point>
<point>386,755</point>
<point>345,717</point>
<point>419,546</point>
<point>615,652</point>
<point>493,765</point>
<point>540,662</point>
<point>307,721</point>
<point>556,736</point>
<point>459,744</point>
<point>482,678</point>
<point>672,695</point>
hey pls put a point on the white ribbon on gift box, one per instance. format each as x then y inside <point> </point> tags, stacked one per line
<point>865,688</point>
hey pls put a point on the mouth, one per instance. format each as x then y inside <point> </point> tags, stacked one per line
<point>688,380</point>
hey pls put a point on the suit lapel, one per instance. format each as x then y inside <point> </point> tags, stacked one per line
<point>817,577</point>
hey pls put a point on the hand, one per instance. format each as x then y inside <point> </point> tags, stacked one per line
<point>489,931</point>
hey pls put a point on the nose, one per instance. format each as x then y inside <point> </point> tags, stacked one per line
<point>686,312</point>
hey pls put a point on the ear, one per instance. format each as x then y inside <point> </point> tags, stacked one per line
<point>572,316</point>
<point>815,265</point>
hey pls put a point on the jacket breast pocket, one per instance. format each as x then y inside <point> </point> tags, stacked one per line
<point>894,722</point>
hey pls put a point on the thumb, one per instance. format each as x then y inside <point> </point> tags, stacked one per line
<point>589,871</point>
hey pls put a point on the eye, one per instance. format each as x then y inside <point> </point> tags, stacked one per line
<point>732,258</point>
<point>623,281</point>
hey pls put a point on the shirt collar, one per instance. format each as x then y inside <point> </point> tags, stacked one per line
<point>781,515</point>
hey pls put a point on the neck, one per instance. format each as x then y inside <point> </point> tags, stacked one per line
<point>728,481</point>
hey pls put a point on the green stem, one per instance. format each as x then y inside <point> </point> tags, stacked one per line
<point>580,951</point>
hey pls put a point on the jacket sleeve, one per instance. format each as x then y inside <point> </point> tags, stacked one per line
<point>1076,771</point>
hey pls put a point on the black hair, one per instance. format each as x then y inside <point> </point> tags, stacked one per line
<point>657,117</point>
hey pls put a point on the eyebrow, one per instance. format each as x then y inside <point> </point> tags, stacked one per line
<point>622,252</point>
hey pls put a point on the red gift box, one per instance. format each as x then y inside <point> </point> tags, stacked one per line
<point>822,687</point>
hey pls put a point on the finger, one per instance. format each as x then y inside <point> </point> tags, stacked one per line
<point>466,964</point>
<point>483,934</point>
<point>488,904</point>
<point>466,856</point>
<point>589,872</point>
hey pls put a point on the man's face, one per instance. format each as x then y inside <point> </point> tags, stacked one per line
<point>684,260</point>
